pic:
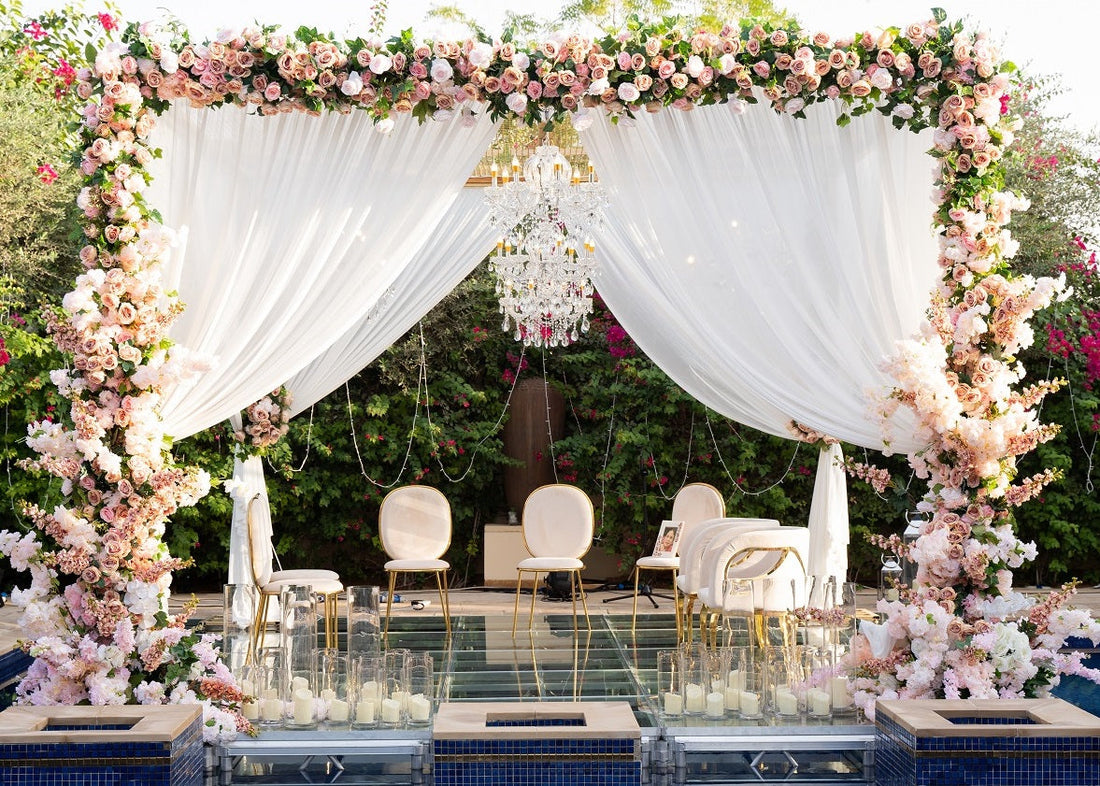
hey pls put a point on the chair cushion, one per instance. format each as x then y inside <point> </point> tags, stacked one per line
<point>303,573</point>
<point>550,563</point>
<point>320,585</point>
<point>417,564</point>
<point>669,563</point>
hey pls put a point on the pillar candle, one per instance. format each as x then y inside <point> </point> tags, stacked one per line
<point>820,701</point>
<point>328,694</point>
<point>750,703</point>
<point>786,703</point>
<point>419,707</point>
<point>733,699</point>
<point>338,711</point>
<point>271,709</point>
<point>674,703</point>
<point>369,692</point>
<point>716,705</point>
<point>303,707</point>
<point>838,687</point>
<point>391,711</point>
<point>694,698</point>
<point>250,710</point>
<point>297,684</point>
<point>364,712</point>
<point>736,679</point>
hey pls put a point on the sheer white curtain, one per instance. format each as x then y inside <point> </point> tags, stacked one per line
<point>458,243</point>
<point>768,264</point>
<point>293,228</point>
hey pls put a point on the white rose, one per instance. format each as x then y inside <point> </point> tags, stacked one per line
<point>629,92</point>
<point>352,85</point>
<point>726,63</point>
<point>442,70</point>
<point>597,86</point>
<point>795,105</point>
<point>904,111</point>
<point>517,102</point>
<point>521,61</point>
<point>380,63</point>
<point>695,66</point>
<point>384,126</point>
<point>481,55</point>
<point>882,79</point>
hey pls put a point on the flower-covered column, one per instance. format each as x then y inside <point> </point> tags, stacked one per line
<point>96,611</point>
<point>962,630</point>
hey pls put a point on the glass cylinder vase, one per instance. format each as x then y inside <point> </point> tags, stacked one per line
<point>421,688</point>
<point>367,684</point>
<point>364,628</point>
<point>238,620</point>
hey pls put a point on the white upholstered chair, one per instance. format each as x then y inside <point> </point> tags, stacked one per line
<point>769,557</point>
<point>414,524</point>
<point>324,583</point>
<point>693,551</point>
<point>694,504</point>
<point>558,525</point>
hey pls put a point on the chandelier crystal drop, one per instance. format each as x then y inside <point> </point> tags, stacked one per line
<point>545,258</point>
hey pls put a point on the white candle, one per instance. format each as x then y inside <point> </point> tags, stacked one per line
<point>891,594</point>
<point>364,712</point>
<point>297,684</point>
<point>419,707</point>
<point>716,705</point>
<point>328,694</point>
<point>750,703</point>
<point>674,703</point>
<point>271,710</point>
<point>694,698</point>
<point>736,679</point>
<point>370,692</point>
<point>391,711</point>
<point>820,701</point>
<point>786,703</point>
<point>401,697</point>
<point>733,699</point>
<point>250,710</point>
<point>838,687</point>
<point>338,711</point>
<point>270,693</point>
<point>247,688</point>
<point>303,707</point>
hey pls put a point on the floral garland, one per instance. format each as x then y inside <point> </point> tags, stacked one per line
<point>100,570</point>
<point>268,422</point>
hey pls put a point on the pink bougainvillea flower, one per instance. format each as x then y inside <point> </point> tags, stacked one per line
<point>47,174</point>
<point>109,22</point>
<point>36,31</point>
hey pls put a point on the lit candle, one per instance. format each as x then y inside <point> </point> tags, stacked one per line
<point>391,711</point>
<point>838,687</point>
<point>674,703</point>
<point>419,707</point>
<point>786,703</point>
<point>591,172</point>
<point>364,712</point>
<point>494,170</point>
<point>515,167</point>
<point>820,701</point>
<point>338,711</point>
<point>694,698</point>
<point>716,705</point>
<point>303,707</point>
<point>750,704</point>
<point>733,698</point>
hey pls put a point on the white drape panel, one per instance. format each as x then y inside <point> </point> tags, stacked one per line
<point>459,242</point>
<point>767,263</point>
<point>294,227</point>
<point>828,522</point>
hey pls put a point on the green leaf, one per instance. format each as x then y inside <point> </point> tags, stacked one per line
<point>939,15</point>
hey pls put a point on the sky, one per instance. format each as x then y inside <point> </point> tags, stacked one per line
<point>1060,45</point>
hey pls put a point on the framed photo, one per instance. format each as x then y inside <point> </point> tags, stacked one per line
<point>668,539</point>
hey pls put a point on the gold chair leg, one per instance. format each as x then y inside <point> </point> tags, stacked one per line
<point>260,623</point>
<point>675,604</point>
<point>584,601</point>
<point>441,582</point>
<point>689,616</point>
<point>515,610</point>
<point>573,595</point>
<point>389,602</point>
<point>534,592</point>
<point>634,611</point>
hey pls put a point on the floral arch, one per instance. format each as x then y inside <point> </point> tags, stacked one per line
<point>94,612</point>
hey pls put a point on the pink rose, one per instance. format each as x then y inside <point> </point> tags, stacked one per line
<point>761,68</point>
<point>666,69</point>
<point>679,81</point>
<point>273,91</point>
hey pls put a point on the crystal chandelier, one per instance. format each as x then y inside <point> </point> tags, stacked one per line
<point>544,261</point>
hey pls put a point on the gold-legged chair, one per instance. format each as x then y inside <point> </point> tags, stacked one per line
<point>558,525</point>
<point>694,504</point>
<point>323,583</point>
<point>414,524</point>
